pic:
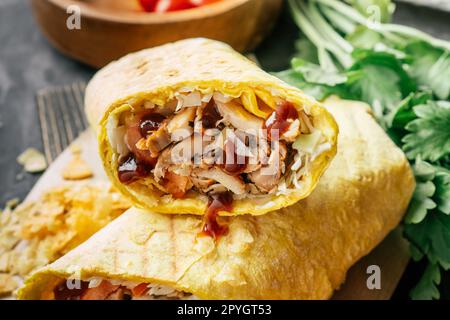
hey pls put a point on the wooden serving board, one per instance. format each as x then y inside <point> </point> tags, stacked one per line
<point>391,255</point>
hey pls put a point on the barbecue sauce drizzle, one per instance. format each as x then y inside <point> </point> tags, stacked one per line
<point>217,202</point>
<point>139,164</point>
<point>132,168</point>
<point>210,115</point>
<point>285,114</point>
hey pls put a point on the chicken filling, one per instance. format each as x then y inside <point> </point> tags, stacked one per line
<point>101,289</point>
<point>211,144</point>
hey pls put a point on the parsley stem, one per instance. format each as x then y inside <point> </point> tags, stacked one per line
<point>309,31</point>
<point>414,33</point>
<point>328,31</point>
<point>339,21</point>
<point>329,36</point>
<point>388,30</point>
<point>306,22</point>
<point>345,10</point>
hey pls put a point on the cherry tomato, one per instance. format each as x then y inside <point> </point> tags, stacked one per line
<point>199,3</point>
<point>149,5</point>
<point>173,5</point>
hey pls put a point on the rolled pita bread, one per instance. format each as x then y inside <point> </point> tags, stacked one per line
<point>187,121</point>
<point>299,252</point>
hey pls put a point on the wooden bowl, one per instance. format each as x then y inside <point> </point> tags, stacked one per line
<point>109,30</point>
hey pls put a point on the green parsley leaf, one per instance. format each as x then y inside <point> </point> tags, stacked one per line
<point>415,252</point>
<point>315,74</point>
<point>403,113</point>
<point>382,83</point>
<point>306,50</point>
<point>429,134</point>
<point>364,38</point>
<point>421,202</point>
<point>425,189</point>
<point>427,289</point>
<point>432,237</point>
<point>320,92</point>
<point>442,193</point>
<point>430,67</point>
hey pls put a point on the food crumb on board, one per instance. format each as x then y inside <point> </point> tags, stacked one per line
<point>77,168</point>
<point>7,283</point>
<point>32,160</point>
<point>36,233</point>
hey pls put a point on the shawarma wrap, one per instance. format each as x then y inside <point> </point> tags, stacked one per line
<point>187,121</point>
<point>299,252</point>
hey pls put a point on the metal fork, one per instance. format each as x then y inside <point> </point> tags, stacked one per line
<point>61,117</point>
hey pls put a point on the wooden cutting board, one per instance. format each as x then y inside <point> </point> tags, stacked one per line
<point>391,256</point>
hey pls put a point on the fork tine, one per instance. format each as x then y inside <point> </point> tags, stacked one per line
<point>54,133</point>
<point>44,127</point>
<point>61,117</point>
<point>65,109</point>
<point>79,126</point>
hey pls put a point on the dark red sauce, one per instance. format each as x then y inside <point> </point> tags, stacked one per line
<point>217,202</point>
<point>138,163</point>
<point>210,115</point>
<point>133,136</point>
<point>62,291</point>
<point>285,114</point>
<point>234,164</point>
<point>131,169</point>
<point>150,122</point>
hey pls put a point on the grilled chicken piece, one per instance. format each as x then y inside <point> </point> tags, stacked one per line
<point>268,177</point>
<point>117,295</point>
<point>181,121</point>
<point>157,141</point>
<point>178,154</point>
<point>101,292</point>
<point>238,117</point>
<point>163,163</point>
<point>188,149</point>
<point>216,188</point>
<point>202,184</point>
<point>232,183</point>
<point>176,185</point>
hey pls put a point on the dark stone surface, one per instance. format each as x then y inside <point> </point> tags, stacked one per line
<point>28,63</point>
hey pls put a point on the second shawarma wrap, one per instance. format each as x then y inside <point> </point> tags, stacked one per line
<point>194,123</point>
<point>299,252</point>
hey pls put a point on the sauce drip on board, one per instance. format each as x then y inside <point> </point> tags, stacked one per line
<point>217,202</point>
<point>281,118</point>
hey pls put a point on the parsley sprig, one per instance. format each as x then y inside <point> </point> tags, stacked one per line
<point>351,49</point>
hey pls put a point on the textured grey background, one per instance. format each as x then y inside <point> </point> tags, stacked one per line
<point>28,63</point>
